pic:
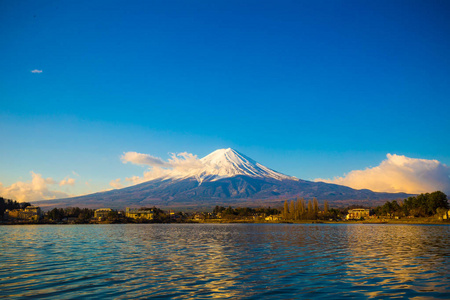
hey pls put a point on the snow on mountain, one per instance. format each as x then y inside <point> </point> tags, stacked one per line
<point>224,163</point>
<point>229,163</point>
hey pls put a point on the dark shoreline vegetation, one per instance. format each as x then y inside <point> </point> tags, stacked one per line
<point>428,208</point>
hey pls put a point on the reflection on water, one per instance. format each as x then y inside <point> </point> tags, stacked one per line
<point>403,260</point>
<point>232,261</point>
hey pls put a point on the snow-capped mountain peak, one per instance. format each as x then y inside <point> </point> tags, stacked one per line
<point>224,163</point>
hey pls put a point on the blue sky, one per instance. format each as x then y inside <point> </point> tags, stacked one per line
<point>313,89</point>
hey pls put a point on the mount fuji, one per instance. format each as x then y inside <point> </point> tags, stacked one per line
<point>226,163</point>
<point>224,177</point>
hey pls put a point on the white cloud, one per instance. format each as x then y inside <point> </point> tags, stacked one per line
<point>399,173</point>
<point>116,183</point>
<point>134,179</point>
<point>37,189</point>
<point>67,181</point>
<point>178,164</point>
<point>149,174</point>
<point>36,71</point>
<point>185,162</point>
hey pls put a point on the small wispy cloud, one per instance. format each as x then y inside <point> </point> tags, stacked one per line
<point>67,181</point>
<point>143,159</point>
<point>36,71</point>
<point>116,183</point>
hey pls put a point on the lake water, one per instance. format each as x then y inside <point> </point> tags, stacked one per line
<point>234,261</point>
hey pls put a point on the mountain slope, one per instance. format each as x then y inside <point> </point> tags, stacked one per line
<point>224,177</point>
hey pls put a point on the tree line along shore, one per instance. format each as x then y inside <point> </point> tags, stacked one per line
<point>423,209</point>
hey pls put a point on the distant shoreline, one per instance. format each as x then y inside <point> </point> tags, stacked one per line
<point>418,221</point>
<point>422,221</point>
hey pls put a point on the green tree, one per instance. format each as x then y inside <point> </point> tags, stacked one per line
<point>316,205</point>
<point>300,208</point>
<point>310,212</point>
<point>425,204</point>
<point>285,210</point>
<point>335,213</point>
<point>435,200</point>
<point>303,206</point>
<point>387,209</point>
<point>113,216</point>
<point>396,209</point>
<point>292,210</point>
<point>56,214</point>
<point>85,215</point>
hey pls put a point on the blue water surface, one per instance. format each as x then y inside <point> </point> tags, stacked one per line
<point>224,261</point>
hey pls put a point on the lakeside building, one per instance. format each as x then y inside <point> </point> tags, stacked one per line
<point>357,213</point>
<point>30,213</point>
<point>102,213</point>
<point>141,213</point>
<point>273,218</point>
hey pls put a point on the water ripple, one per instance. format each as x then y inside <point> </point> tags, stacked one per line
<point>226,261</point>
